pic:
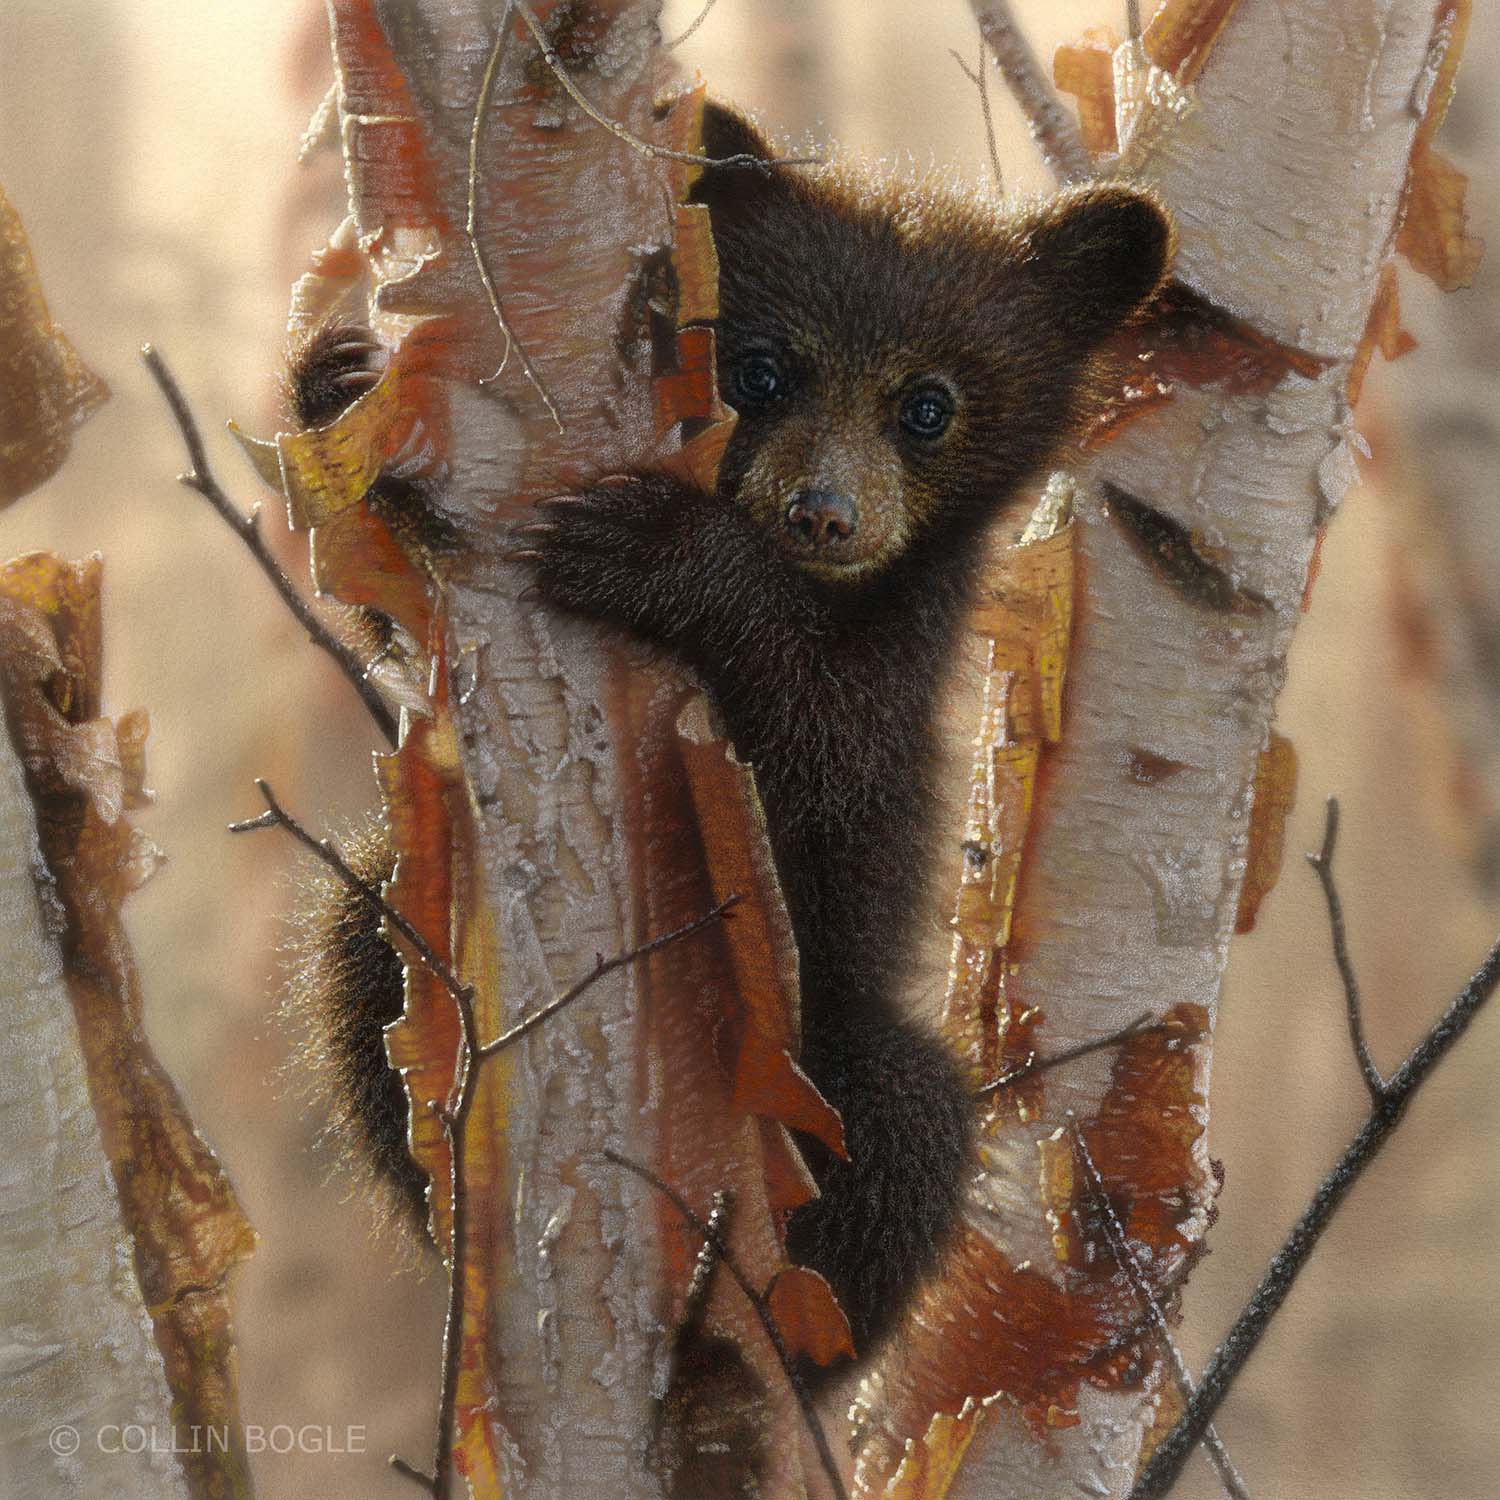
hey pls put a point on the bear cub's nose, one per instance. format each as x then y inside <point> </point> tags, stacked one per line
<point>819,518</point>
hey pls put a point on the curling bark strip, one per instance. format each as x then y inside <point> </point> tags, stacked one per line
<point>46,390</point>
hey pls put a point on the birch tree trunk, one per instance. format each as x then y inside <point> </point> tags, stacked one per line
<point>118,1228</point>
<point>556,798</point>
<point>1285,161</point>
<point>78,1355</point>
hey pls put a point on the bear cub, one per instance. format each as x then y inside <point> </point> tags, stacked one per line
<point>902,362</point>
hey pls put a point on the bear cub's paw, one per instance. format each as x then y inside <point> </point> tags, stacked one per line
<point>331,371</point>
<point>606,550</point>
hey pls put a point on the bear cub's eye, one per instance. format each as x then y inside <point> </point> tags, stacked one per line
<point>927,411</point>
<point>755,381</point>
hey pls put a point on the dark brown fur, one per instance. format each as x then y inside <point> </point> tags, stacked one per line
<point>346,986</point>
<point>825,661</point>
<point>819,589</point>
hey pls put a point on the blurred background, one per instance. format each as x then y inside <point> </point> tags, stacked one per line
<point>150,149</point>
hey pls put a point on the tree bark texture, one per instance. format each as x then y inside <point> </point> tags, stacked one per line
<point>1283,149</point>
<point>557,797</point>
<point>78,1352</point>
<point>118,1225</point>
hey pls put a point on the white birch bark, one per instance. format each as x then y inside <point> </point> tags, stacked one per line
<point>578,1339</point>
<point>78,1360</point>
<point>1285,178</point>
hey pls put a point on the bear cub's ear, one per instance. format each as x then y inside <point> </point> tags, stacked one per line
<point>1102,252</point>
<point>726,132</point>
<point>738,192</point>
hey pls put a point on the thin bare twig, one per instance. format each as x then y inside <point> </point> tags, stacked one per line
<point>247,527</point>
<point>451,1116</point>
<point>1133,20</point>
<point>276,816</point>
<point>701,17</point>
<point>708,1257</point>
<point>1141,1026</point>
<point>1166,1462</point>
<point>1124,1256</point>
<point>964,68</point>
<point>649,148</point>
<point>471,228</point>
<point>980,78</point>
<point>453,1113</point>
<point>1052,128</point>
<point>454,1118</point>
<point>1322,863</point>
<point>603,966</point>
<point>710,1234</point>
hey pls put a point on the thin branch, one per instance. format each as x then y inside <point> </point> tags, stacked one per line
<point>247,527</point>
<point>454,1119</point>
<point>989,120</point>
<point>980,78</point>
<point>1141,1026</point>
<point>648,148</point>
<point>451,1116</point>
<point>276,816</point>
<point>710,1234</point>
<point>1229,1358</point>
<point>1322,863</point>
<point>701,17</point>
<point>1133,20</point>
<point>708,1257</point>
<point>481,108</point>
<point>603,966</point>
<point>1052,128</point>
<point>1125,1257</point>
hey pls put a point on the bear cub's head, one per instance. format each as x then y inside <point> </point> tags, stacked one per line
<point>903,358</point>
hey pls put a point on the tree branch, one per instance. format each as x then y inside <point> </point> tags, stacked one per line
<point>708,1257</point>
<point>1052,128</point>
<point>1139,1027</point>
<point>698,20</point>
<point>276,816</point>
<point>1125,1257</point>
<point>1157,1478</point>
<point>603,966</point>
<point>471,227</point>
<point>1322,863</point>
<point>648,148</point>
<point>710,1232</point>
<point>247,527</point>
<point>980,78</point>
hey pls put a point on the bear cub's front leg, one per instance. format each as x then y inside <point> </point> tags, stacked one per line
<point>671,563</point>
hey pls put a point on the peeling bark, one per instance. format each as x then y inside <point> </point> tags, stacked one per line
<point>557,796</point>
<point>78,1352</point>
<point>182,1227</point>
<point>1286,164</point>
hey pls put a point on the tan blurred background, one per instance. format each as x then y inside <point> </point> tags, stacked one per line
<point>150,146</point>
